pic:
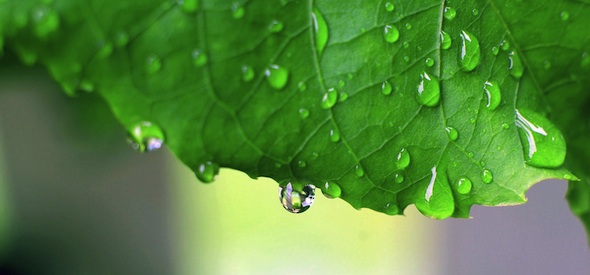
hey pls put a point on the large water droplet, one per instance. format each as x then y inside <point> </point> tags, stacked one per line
<point>189,6</point>
<point>277,76</point>
<point>450,13</point>
<point>445,40</point>
<point>403,159</point>
<point>487,176</point>
<point>247,73</point>
<point>329,99</point>
<point>237,10</point>
<point>207,171</point>
<point>428,90</point>
<point>389,7</point>
<point>296,201</point>
<point>320,28</point>
<point>275,26</point>
<point>470,53</point>
<point>492,90</point>
<point>146,137</point>
<point>543,144</point>
<point>331,190</point>
<point>199,57</point>
<point>386,88</point>
<point>464,186</point>
<point>452,133</point>
<point>516,68</point>
<point>153,64</point>
<point>390,33</point>
<point>45,20</point>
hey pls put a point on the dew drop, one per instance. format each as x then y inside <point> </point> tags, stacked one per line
<point>386,88</point>
<point>237,10</point>
<point>146,137</point>
<point>199,57</point>
<point>389,7</point>
<point>428,93</point>
<point>331,190</point>
<point>390,33</point>
<point>277,76</point>
<point>492,90</point>
<point>334,135</point>
<point>472,120</point>
<point>45,20</point>
<point>207,171</point>
<point>153,64</point>
<point>301,86</point>
<point>329,99</point>
<point>399,178</point>
<point>320,28</point>
<point>564,16</point>
<point>247,73</point>
<point>303,113</point>
<point>452,133</point>
<point>295,201</point>
<point>470,52</point>
<point>445,40</point>
<point>302,164</point>
<point>487,176</point>
<point>470,154</point>
<point>450,13</point>
<point>542,142</point>
<point>403,159</point>
<point>515,67</point>
<point>464,186</point>
<point>189,6</point>
<point>429,62</point>
<point>359,171</point>
<point>275,26</point>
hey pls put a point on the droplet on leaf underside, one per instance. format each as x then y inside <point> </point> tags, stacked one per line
<point>199,57</point>
<point>207,171</point>
<point>329,99</point>
<point>450,13</point>
<point>452,133</point>
<point>247,73</point>
<point>153,64</point>
<point>487,176</point>
<point>359,171</point>
<point>389,7</point>
<point>516,68</point>
<point>146,137</point>
<point>237,10</point>
<point>275,26</point>
<point>470,53</point>
<point>45,21</point>
<point>303,113</point>
<point>403,159</point>
<point>386,88</point>
<point>464,185</point>
<point>334,135</point>
<point>390,33</point>
<point>296,201</point>
<point>542,142</point>
<point>428,92</point>
<point>320,28</point>
<point>189,6</point>
<point>492,90</point>
<point>445,40</point>
<point>277,76</point>
<point>331,190</point>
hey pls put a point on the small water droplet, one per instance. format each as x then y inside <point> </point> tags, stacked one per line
<point>390,33</point>
<point>403,159</point>
<point>237,10</point>
<point>301,86</point>
<point>406,44</point>
<point>482,163</point>
<point>296,201</point>
<point>207,171</point>
<point>277,76</point>
<point>470,154</point>
<point>429,62</point>
<point>391,209</point>
<point>342,97</point>
<point>329,99</point>
<point>389,7</point>
<point>419,48</point>
<point>350,76</point>
<point>542,142</point>
<point>399,178</point>
<point>331,190</point>
<point>450,13</point>
<point>278,165</point>
<point>303,113</point>
<point>406,58</point>
<point>189,6</point>
<point>495,50</point>
<point>505,125</point>
<point>564,16</point>
<point>45,20</point>
<point>314,155</point>
<point>464,186</point>
<point>516,68</point>
<point>505,45</point>
<point>302,164</point>
<point>341,83</point>
<point>472,120</point>
<point>585,60</point>
<point>452,133</point>
<point>153,64</point>
<point>492,90</point>
<point>408,26</point>
<point>475,12</point>
<point>199,57</point>
<point>428,93</point>
<point>275,26</point>
<point>247,73</point>
<point>445,40</point>
<point>320,28</point>
<point>359,171</point>
<point>106,49</point>
<point>146,137</point>
<point>487,176</point>
<point>334,135</point>
<point>470,52</point>
<point>386,88</point>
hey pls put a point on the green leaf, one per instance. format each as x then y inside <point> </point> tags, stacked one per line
<point>362,94</point>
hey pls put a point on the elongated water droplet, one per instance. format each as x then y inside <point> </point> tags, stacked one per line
<point>199,57</point>
<point>237,10</point>
<point>189,6</point>
<point>564,16</point>
<point>543,144</point>
<point>386,88</point>
<point>334,135</point>
<point>403,159</point>
<point>450,13</point>
<point>45,20</point>
<point>146,137</point>
<point>296,201</point>
<point>452,133</point>
<point>329,99</point>
<point>464,186</point>
<point>320,28</point>
<point>247,73</point>
<point>275,26</point>
<point>331,190</point>
<point>390,33</point>
<point>492,90</point>
<point>359,171</point>
<point>153,64</point>
<point>445,40</point>
<point>303,113</point>
<point>487,176</point>
<point>470,52</point>
<point>207,171</point>
<point>516,68</point>
<point>430,188</point>
<point>277,76</point>
<point>428,90</point>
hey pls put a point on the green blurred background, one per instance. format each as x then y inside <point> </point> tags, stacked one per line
<point>75,199</point>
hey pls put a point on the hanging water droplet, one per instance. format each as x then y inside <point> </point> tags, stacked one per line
<point>303,113</point>
<point>207,171</point>
<point>277,76</point>
<point>389,7</point>
<point>320,28</point>
<point>391,209</point>
<point>386,88</point>
<point>505,45</point>
<point>450,13</point>
<point>390,33</point>
<point>237,10</point>
<point>516,68</point>
<point>399,178</point>
<point>146,137</point>
<point>189,6</point>
<point>487,176</point>
<point>199,57</point>
<point>334,135</point>
<point>495,50</point>
<point>329,99</point>
<point>275,26</point>
<point>296,201</point>
<point>470,52</point>
<point>153,64</point>
<point>247,73</point>
<point>428,90</point>
<point>429,62</point>
<point>445,40</point>
<point>403,159</point>
<point>302,164</point>
<point>464,186</point>
<point>492,90</point>
<point>359,171</point>
<point>331,190</point>
<point>542,142</point>
<point>564,16</point>
<point>301,86</point>
<point>45,20</point>
<point>452,133</point>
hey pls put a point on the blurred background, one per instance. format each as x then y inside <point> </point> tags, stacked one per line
<point>76,199</point>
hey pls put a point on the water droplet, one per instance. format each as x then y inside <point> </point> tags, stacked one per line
<point>329,99</point>
<point>189,6</point>
<point>516,68</point>
<point>301,86</point>
<point>45,20</point>
<point>445,40</point>
<point>331,190</point>
<point>295,201</point>
<point>564,16</point>
<point>487,176</point>
<point>505,45</point>
<point>86,85</point>
<point>237,10</point>
<point>247,73</point>
<point>390,33</point>
<point>406,44</point>
<point>320,28</point>
<point>277,76</point>
<point>470,154</point>
<point>391,209</point>
<point>543,144</point>
<point>428,90</point>
<point>153,64</point>
<point>207,171</point>
<point>429,62</point>
<point>399,178</point>
<point>146,137</point>
<point>472,120</point>
<point>464,186</point>
<point>419,48</point>
<point>482,163</point>
<point>342,97</point>
<point>359,171</point>
<point>334,135</point>
<point>452,133</point>
<point>450,13</point>
<point>278,165</point>
<point>505,125</point>
<point>350,76</point>
<point>121,39</point>
<point>495,50</point>
<point>304,113</point>
<point>314,155</point>
<point>389,7</point>
<point>302,164</point>
<point>408,26</point>
<point>386,88</point>
<point>475,12</point>
<point>403,159</point>
<point>199,57</point>
<point>275,26</point>
<point>341,83</point>
<point>105,50</point>
<point>406,58</point>
<point>585,60</point>
<point>492,90</point>
<point>470,52</point>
